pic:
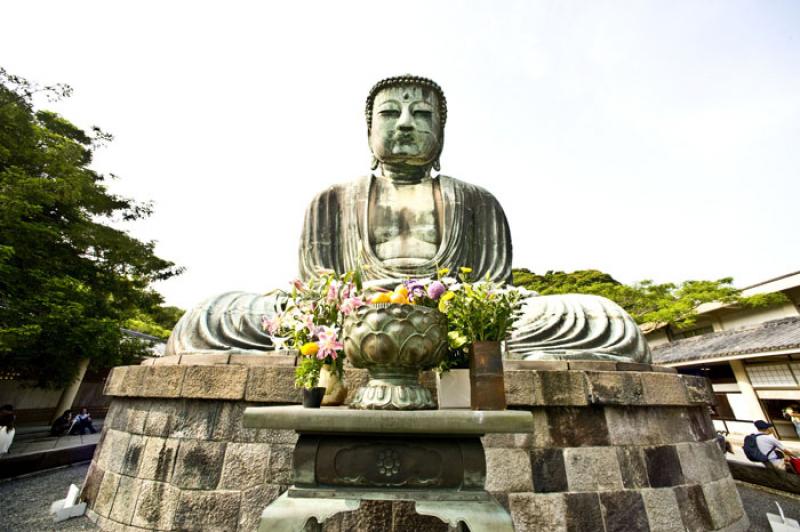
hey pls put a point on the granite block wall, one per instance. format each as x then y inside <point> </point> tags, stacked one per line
<point>615,447</point>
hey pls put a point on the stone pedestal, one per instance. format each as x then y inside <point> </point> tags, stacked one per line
<point>433,459</point>
<point>614,446</point>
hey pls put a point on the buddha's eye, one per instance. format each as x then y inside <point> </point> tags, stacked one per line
<point>389,113</point>
<point>423,114</point>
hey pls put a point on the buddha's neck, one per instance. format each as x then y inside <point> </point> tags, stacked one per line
<point>404,174</point>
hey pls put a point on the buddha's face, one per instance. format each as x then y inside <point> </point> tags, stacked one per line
<point>406,125</point>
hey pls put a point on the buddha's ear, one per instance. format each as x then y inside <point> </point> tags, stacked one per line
<point>374,164</point>
<point>436,165</point>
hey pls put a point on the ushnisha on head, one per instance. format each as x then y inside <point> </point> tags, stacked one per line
<point>405,124</point>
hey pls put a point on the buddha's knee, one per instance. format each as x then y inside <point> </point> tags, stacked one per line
<point>227,322</point>
<point>576,326</point>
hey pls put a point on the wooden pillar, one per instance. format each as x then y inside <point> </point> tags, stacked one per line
<point>71,390</point>
<point>753,404</point>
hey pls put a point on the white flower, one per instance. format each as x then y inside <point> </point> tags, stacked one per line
<point>279,343</point>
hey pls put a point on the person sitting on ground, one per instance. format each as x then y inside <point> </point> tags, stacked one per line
<point>83,421</point>
<point>771,451</point>
<point>7,430</point>
<point>62,424</point>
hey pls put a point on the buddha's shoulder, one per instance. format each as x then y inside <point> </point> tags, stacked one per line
<point>344,189</point>
<point>477,192</point>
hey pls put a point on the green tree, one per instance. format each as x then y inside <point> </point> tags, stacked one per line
<point>68,281</point>
<point>646,301</point>
<point>158,321</point>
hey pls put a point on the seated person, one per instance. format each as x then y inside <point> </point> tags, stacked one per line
<point>402,222</point>
<point>82,422</point>
<point>62,424</point>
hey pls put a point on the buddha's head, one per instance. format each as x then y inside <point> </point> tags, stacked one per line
<point>405,122</point>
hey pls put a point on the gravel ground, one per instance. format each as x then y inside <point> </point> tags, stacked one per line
<point>758,500</point>
<point>26,502</point>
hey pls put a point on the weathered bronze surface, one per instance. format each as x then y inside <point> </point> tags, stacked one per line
<point>487,387</point>
<point>394,343</point>
<point>402,221</point>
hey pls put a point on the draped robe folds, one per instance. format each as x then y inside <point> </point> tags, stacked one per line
<point>474,234</point>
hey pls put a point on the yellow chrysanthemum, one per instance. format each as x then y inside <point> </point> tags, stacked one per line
<point>309,349</point>
<point>399,298</point>
<point>383,297</point>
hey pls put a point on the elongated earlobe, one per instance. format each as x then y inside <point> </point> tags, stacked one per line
<point>436,165</point>
<point>374,163</point>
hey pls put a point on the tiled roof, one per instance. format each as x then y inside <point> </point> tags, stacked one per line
<point>769,336</point>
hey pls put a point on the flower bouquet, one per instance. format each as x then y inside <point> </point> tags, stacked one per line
<point>311,324</point>
<point>479,316</point>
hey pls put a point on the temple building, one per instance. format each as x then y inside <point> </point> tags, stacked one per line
<point>751,356</point>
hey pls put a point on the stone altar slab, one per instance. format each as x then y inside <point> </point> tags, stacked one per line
<point>343,420</point>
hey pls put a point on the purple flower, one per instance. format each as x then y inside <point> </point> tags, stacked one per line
<point>436,289</point>
<point>416,290</point>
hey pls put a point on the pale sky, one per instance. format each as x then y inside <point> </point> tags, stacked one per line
<point>651,140</point>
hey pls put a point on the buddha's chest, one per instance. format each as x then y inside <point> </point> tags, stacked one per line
<point>403,221</point>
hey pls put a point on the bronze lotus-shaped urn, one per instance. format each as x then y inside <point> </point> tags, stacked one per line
<point>394,343</point>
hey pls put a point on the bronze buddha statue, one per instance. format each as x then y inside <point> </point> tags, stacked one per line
<point>401,222</point>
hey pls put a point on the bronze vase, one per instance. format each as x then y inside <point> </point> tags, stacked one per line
<point>487,386</point>
<point>394,343</point>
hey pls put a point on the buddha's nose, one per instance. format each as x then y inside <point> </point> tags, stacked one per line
<point>406,122</point>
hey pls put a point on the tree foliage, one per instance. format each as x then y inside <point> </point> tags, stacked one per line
<point>68,280</point>
<point>646,301</point>
<point>158,321</point>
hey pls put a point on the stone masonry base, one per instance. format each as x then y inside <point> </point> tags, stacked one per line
<point>616,447</point>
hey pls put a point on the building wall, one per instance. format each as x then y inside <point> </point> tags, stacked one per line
<point>657,337</point>
<point>752,317</point>
<point>25,395</point>
<point>33,404</point>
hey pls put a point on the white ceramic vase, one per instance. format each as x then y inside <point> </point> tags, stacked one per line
<point>453,388</point>
<point>336,391</point>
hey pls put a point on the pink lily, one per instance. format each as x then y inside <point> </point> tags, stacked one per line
<point>328,343</point>
<point>271,325</point>
<point>333,291</point>
<point>350,304</point>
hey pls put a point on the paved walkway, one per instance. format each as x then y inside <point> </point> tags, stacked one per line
<point>34,449</point>
<point>29,439</point>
